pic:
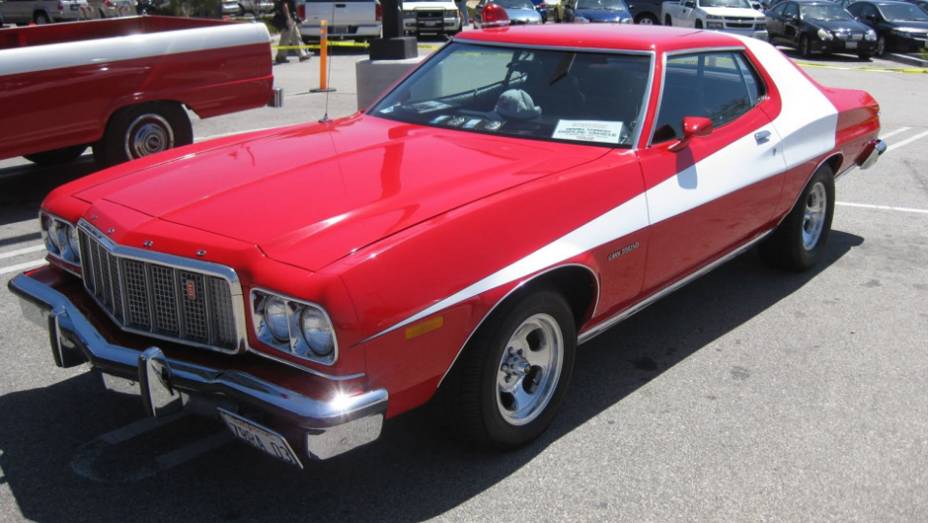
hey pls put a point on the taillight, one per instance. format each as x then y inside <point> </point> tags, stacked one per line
<point>301,11</point>
<point>378,12</point>
<point>494,16</point>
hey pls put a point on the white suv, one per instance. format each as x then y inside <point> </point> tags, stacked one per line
<point>43,11</point>
<point>347,19</point>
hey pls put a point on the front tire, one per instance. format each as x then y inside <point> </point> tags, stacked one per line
<point>799,241</point>
<point>514,373</point>
<point>140,130</point>
<point>805,47</point>
<point>668,20</point>
<point>698,24</point>
<point>880,46</point>
<point>646,19</point>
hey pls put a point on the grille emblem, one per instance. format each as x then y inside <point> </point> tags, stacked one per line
<point>190,290</point>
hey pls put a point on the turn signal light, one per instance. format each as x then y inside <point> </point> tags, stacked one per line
<point>494,16</point>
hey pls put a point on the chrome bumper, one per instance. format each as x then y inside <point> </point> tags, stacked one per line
<point>871,153</point>
<point>324,428</point>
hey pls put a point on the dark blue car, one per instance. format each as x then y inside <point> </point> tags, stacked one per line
<point>597,11</point>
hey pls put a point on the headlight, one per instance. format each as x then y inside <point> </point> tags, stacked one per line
<point>61,239</point>
<point>825,35</point>
<point>317,331</point>
<point>714,17</point>
<point>293,326</point>
<point>275,316</point>
<point>871,35</point>
<point>451,13</point>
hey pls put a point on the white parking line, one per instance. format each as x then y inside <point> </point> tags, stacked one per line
<point>24,250</point>
<point>882,207</point>
<point>907,141</point>
<point>21,266</point>
<point>894,133</point>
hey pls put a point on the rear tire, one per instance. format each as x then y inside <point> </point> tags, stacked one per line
<point>798,242</point>
<point>143,129</point>
<point>646,19</point>
<point>57,156</point>
<point>41,18</point>
<point>512,376</point>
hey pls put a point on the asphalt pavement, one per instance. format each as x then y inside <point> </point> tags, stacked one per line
<point>751,394</point>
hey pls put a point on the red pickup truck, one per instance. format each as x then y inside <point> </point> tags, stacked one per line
<point>121,85</point>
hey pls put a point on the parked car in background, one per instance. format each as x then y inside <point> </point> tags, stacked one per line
<point>346,19</point>
<point>305,284</point>
<point>43,11</point>
<point>542,7</point>
<point>819,25</point>
<point>123,85</point>
<point>900,26</point>
<point>922,4</point>
<point>253,8</point>
<point>597,11</point>
<point>520,12</point>
<point>646,12</point>
<point>733,16</point>
<point>110,8</point>
<point>431,17</point>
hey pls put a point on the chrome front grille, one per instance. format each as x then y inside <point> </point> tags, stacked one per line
<point>172,301</point>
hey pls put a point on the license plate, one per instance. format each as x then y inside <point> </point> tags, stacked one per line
<point>260,437</point>
<point>851,45</point>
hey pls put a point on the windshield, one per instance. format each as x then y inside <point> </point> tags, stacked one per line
<point>515,4</point>
<point>593,98</point>
<point>824,12</point>
<point>903,13</point>
<point>611,5</point>
<point>725,3</point>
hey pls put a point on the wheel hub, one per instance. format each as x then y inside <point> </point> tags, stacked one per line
<point>529,369</point>
<point>148,134</point>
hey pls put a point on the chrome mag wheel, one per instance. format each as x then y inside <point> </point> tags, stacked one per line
<point>148,134</point>
<point>529,369</point>
<point>813,219</point>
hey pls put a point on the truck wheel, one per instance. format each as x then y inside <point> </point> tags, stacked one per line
<point>140,130</point>
<point>646,19</point>
<point>797,244</point>
<point>513,373</point>
<point>57,156</point>
<point>40,18</point>
<point>698,24</point>
<point>667,20</point>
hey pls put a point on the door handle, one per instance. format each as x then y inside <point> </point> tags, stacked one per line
<point>762,137</point>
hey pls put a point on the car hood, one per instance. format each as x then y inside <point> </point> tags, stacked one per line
<point>309,195</point>
<point>732,11</point>
<point>432,6</point>
<point>838,25</point>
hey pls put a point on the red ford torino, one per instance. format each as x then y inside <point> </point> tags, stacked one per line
<point>520,192</point>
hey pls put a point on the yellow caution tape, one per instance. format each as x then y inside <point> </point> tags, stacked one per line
<point>355,45</point>
<point>906,70</point>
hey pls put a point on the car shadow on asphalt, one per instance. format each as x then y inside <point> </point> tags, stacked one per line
<point>24,186</point>
<point>414,471</point>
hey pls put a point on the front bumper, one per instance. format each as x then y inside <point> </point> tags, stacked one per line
<point>322,428</point>
<point>837,45</point>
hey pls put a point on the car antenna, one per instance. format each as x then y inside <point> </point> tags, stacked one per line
<point>328,73</point>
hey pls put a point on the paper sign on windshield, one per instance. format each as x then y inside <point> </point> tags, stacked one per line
<point>588,131</point>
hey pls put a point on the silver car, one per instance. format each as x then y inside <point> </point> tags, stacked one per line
<point>520,12</point>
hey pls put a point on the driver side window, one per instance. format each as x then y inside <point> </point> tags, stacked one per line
<point>792,11</point>
<point>720,86</point>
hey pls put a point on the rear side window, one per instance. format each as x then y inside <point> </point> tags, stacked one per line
<point>720,86</point>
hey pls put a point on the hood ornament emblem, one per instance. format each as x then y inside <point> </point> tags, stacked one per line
<point>111,230</point>
<point>201,252</point>
<point>148,243</point>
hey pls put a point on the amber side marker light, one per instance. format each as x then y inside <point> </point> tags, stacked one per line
<point>425,327</point>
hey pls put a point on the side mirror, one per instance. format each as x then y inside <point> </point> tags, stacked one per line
<point>692,126</point>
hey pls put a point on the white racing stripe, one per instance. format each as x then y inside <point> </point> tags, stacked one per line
<point>806,125</point>
<point>907,141</point>
<point>21,266</point>
<point>131,47</point>
<point>882,207</point>
<point>20,252</point>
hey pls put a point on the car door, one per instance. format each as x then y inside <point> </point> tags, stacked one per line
<point>719,190</point>
<point>688,8</point>
<point>775,22</point>
<point>791,23</point>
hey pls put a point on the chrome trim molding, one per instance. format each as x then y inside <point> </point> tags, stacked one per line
<point>643,112</point>
<point>331,426</point>
<point>605,325</point>
<point>177,262</point>
<point>515,45</point>
<point>510,293</point>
